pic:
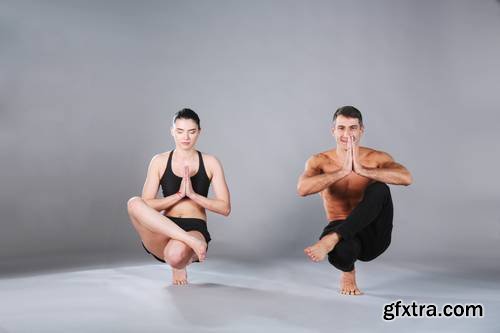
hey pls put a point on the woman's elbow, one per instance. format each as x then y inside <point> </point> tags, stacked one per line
<point>227,210</point>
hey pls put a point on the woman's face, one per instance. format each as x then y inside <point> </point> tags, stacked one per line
<point>185,133</point>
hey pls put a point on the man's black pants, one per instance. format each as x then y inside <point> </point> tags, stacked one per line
<point>366,232</point>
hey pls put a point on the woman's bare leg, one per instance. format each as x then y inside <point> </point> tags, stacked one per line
<point>154,242</point>
<point>178,255</point>
<point>158,223</point>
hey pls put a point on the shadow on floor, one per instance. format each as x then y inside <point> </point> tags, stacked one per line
<point>220,304</point>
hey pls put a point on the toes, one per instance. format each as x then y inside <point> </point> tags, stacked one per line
<point>179,282</point>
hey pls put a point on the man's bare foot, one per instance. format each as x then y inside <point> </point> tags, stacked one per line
<point>318,251</point>
<point>179,276</point>
<point>199,247</point>
<point>348,284</point>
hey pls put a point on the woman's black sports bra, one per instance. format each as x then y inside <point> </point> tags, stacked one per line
<point>170,183</point>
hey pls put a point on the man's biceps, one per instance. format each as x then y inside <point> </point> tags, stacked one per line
<point>311,172</point>
<point>391,165</point>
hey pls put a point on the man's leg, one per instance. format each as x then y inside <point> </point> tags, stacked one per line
<point>343,256</point>
<point>374,211</point>
<point>364,235</point>
<point>376,202</point>
<point>345,253</point>
<point>376,237</point>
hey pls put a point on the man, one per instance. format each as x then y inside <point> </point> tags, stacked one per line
<point>352,183</point>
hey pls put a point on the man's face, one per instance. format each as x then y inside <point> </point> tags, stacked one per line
<point>185,133</point>
<point>345,128</point>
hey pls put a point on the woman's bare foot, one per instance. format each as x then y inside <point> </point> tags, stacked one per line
<point>348,284</point>
<point>179,276</point>
<point>199,247</point>
<point>318,251</point>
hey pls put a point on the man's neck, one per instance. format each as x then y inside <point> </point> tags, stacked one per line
<point>341,152</point>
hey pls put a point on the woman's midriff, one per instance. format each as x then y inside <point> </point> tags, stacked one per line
<point>187,208</point>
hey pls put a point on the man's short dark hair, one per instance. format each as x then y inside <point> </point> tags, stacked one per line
<point>187,114</point>
<point>348,112</point>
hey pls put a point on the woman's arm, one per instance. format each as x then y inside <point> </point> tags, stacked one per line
<point>151,185</point>
<point>221,204</point>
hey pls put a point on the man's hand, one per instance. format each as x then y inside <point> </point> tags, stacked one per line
<point>187,182</point>
<point>347,167</point>
<point>356,165</point>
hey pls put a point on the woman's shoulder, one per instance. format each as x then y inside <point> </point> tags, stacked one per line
<point>161,156</point>
<point>210,160</point>
<point>160,160</point>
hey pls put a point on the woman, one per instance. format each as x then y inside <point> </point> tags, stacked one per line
<point>174,229</point>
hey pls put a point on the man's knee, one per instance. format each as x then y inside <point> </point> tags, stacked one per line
<point>342,263</point>
<point>378,189</point>
<point>342,257</point>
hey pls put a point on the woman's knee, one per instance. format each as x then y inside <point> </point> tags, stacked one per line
<point>176,256</point>
<point>133,204</point>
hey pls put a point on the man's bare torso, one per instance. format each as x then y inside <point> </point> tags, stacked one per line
<point>340,198</point>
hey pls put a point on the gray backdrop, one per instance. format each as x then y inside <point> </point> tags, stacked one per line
<point>88,89</point>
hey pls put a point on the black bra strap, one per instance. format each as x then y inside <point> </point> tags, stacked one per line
<point>169,163</point>
<point>201,164</point>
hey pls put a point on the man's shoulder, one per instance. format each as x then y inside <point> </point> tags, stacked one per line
<point>374,154</point>
<point>322,157</point>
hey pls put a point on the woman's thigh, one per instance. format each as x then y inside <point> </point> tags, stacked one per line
<point>154,242</point>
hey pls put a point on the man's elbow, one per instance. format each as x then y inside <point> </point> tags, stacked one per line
<point>301,191</point>
<point>408,180</point>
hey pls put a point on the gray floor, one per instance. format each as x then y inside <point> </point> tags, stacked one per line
<point>226,296</point>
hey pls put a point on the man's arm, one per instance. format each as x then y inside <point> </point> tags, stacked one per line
<point>221,204</point>
<point>151,185</point>
<point>313,180</point>
<point>387,170</point>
